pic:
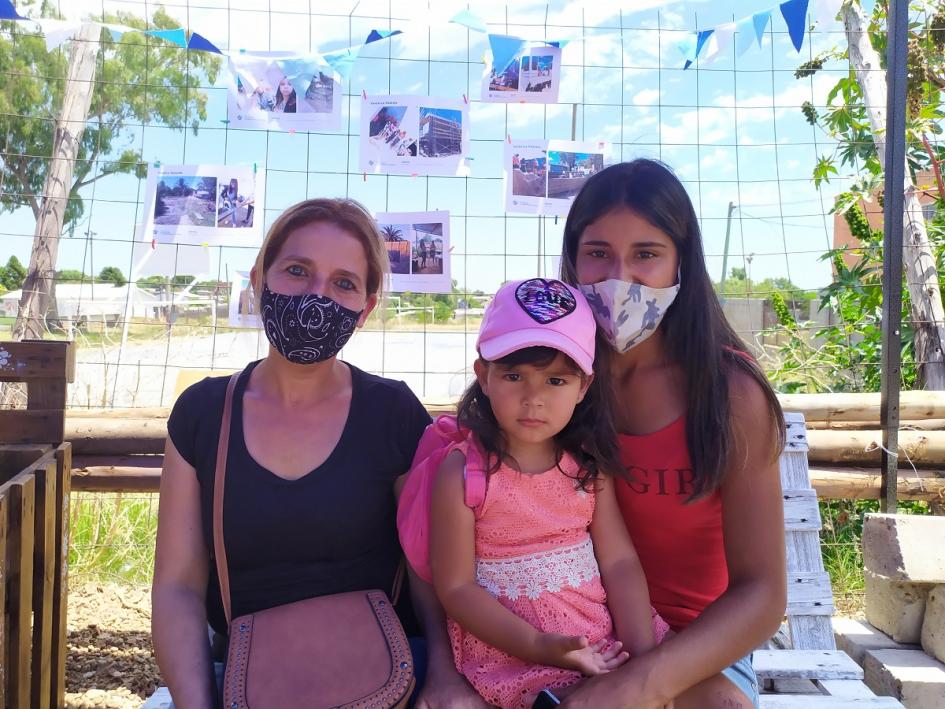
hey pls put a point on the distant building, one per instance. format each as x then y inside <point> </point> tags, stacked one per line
<point>440,136</point>
<point>927,190</point>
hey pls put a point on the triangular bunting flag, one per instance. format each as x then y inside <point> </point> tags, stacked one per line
<point>8,12</point>
<point>795,15</point>
<point>744,35</point>
<point>178,36</point>
<point>342,61</point>
<point>718,42</point>
<point>470,20</point>
<point>687,47</point>
<point>760,22</point>
<point>504,50</point>
<point>117,31</point>
<point>199,42</point>
<point>57,32</point>
<point>377,35</point>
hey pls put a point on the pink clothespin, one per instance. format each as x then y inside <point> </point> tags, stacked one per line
<point>153,244</point>
<point>509,138</point>
<point>291,131</point>
<point>413,174</point>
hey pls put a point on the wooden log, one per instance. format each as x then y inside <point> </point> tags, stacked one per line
<point>921,448</point>
<point>116,436</point>
<point>913,406</point>
<point>134,473</point>
<point>916,425</point>
<point>857,483</point>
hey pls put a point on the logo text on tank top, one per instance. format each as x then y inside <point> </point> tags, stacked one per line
<point>661,481</point>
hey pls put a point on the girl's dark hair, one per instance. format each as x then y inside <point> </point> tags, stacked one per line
<point>590,436</point>
<point>698,337</point>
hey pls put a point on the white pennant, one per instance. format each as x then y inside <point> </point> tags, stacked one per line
<point>57,32</point>
<point>717,43</point>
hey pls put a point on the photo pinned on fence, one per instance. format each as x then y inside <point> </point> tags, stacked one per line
<point>532,76</point>
<point>418,247</point>
<point>242,307</point>
<point>283,91</point>
<point>544,176</point>
<point>215,205</point>
<point>414,135</point>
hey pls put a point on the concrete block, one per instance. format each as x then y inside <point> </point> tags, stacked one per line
<point>933,626</point>
<point>856,637</point>
<point>910,676</point>
<point>896,607</point>
<point>905,547</point>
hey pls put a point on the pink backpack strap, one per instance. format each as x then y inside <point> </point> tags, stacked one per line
<point>474,475</point>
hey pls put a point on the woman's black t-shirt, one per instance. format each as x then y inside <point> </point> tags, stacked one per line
<point>332,530</point>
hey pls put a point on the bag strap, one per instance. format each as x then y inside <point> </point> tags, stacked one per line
<point>474,475</point>
<point>223,445</point>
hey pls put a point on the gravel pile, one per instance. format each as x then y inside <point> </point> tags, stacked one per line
<point>109,661</point>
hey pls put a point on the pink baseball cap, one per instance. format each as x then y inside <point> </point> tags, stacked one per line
<point>538,312</point>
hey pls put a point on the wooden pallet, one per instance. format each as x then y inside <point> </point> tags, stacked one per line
<point>35,474</point>
<point>812,672</point>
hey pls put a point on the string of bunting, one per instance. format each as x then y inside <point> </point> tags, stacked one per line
<point>709,44</point>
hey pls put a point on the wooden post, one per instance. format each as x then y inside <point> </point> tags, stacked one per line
<point>57,688</point>
<point>38,288</point>
<point>44,573</point>
<point>927,311</point>
<point>19,563</point>
<point>4,628</point>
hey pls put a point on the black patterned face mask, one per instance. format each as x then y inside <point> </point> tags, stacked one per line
<point>306,328</point>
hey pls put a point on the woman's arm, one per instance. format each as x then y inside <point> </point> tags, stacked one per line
<point>179,616</point>
<point>752,607</point>
<point>453,562</point>
<point>621,573</point>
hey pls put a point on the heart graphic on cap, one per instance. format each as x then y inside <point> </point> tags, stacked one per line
<point>545,301</point>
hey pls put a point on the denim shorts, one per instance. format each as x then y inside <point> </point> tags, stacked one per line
<point>742,675</point>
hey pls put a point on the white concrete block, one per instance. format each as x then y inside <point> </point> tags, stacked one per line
<point>933,626</point>
<point>896,607</point>
<point>911,676</point>
<point>856,637</point>
<point>905,547</point>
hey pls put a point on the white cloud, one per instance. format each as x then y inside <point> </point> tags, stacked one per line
<point>646,97</point>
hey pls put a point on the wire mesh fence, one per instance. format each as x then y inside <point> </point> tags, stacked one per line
<point>768,143</point>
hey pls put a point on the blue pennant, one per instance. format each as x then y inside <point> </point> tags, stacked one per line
<point>178,36</point>
<point>198,41</point>
<point>8,12</point>
<point>504,50</point>
<point>470,20</point>
<point>760,21</point>
<point>342,61</point>
<point>380,34</point>
<point>795,15</point>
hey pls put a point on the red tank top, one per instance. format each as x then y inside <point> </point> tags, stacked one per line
<point>680,545</point>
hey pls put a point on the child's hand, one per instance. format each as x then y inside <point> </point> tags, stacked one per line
<point>572,652</point>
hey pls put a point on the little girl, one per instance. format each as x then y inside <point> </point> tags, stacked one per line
<point>527,577</point>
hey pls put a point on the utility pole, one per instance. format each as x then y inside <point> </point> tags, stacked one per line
<point>728,233</point>
<point>39,286</point>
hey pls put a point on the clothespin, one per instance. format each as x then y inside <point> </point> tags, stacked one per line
<point>465,100</point>
<point>413,174</point>
<point>509,138</point>
<point>365,176</point>
<point>153,244</point>
<point>157,163</point>
<point>556,219</point>
<point>224,121</point>
<point>205,244</point>
<point>364,94</point>
<point>254,168</point>
<point>291,131</point>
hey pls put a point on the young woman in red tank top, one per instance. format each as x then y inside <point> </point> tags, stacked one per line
<point>701,431</point>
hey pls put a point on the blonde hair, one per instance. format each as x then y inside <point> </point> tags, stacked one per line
<point>346,214</point>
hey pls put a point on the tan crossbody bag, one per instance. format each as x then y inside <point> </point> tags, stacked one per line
<point>344,650</point>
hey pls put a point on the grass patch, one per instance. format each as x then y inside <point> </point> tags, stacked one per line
<point>841,546</point>
<point>112,536</point>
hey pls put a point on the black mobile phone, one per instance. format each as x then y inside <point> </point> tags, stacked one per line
<point>546,700</point>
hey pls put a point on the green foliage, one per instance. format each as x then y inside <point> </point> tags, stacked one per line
<point>785,317</point>
<point>13,274</point>
<point>72,275</point>
<point>139,80</point>
<point>112,537</point>
<point>112,274</point>
<point>738,285</point>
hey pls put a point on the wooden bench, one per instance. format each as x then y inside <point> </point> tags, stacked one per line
<point>812,672</point>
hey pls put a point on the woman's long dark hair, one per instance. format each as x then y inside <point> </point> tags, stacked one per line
<point>698,337</point>
<point>590,436</point>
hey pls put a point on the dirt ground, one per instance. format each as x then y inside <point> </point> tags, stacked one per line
<point>109,661</point>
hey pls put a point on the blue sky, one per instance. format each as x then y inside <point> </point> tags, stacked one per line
<point>732,130</point>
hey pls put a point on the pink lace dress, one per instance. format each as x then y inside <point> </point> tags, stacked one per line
<point>535,555</point>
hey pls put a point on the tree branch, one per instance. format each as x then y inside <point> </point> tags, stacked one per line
<point>935,166</point>
<point>17,168</point>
